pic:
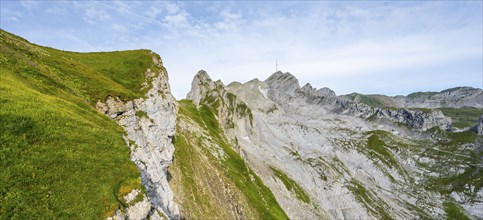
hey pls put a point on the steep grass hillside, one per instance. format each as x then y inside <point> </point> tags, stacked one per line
<point>59,157</point>
<point>209,178</point>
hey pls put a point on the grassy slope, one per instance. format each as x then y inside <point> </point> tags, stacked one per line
<point>421,94</point>
<point>463,117</point>
<point>291,185</point>
<point>260,202</point>
<point>59,157</point>
<point>451,152</point>
<point>371,100</point>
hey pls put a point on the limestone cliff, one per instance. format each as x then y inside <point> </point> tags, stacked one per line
<point>479,126</point>
<point>150,125</point>
<point>229,110</point>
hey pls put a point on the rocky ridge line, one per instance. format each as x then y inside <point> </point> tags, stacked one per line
<point>284,89</point>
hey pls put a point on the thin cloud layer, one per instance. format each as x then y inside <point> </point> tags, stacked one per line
<point>371,47</point>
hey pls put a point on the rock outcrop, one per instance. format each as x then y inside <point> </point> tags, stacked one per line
<point>417,119</point>
<point>479,126</point>
<point>150,125</point>
<point>229,110</point>
<point>413,118</point>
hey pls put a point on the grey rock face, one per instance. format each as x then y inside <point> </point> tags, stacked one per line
<point>479,126</point>
<point>417,119</point>
<point>414,119</point>
<point>138,210</point>
<point>200,87</point>
<point>150,125</point>
<point>229,110</point>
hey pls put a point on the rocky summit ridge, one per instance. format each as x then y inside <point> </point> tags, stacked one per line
<point>285,90</point>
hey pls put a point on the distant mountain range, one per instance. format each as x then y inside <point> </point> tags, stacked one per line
<point>450,98</point>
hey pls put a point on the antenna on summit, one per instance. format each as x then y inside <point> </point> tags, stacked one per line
<point>276,65</point>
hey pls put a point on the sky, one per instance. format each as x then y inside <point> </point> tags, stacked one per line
<point>371,47</point>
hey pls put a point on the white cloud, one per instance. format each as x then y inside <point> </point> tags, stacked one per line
<point>346,42</point>
<point>78,42</point>
<point>13,18</point>
<point>29,5</point>
<point>154,11</point>
<point>227,15</point>
<point>229,21</point>
<point>118,27</point>
<point>94,13</point>
<point>122,6</point>
<point>172,8</point>
<point>177,20</point>
<point>317,41</point>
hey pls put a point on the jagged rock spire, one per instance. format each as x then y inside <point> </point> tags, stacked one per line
<point>200,85</point>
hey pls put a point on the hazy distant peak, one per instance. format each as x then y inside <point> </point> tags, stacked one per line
<point>461,89</point>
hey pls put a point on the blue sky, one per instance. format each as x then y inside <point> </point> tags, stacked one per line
<point>366,46</point>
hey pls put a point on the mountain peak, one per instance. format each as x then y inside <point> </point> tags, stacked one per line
<point>202,76</point>
<point>200,85</point>
<point>284,81</point>
<point>326,92</point>
<point>307,86</point>
<point>281,75</point>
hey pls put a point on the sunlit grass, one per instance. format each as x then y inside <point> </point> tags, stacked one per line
<point>59,157</point>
